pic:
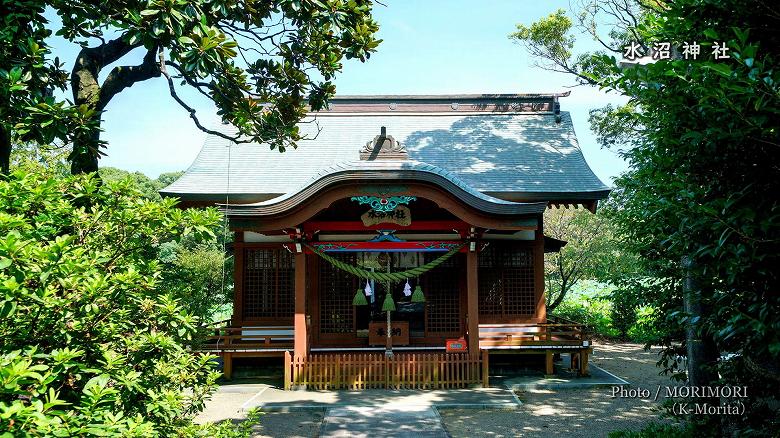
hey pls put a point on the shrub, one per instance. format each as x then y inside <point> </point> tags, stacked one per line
<point>88,343</point>
<point>612,313</point>
<point>588,304</point>
<point>657,430</point>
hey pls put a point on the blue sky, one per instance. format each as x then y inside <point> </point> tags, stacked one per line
<point>430,47</point>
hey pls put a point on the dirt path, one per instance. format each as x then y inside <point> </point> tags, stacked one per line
<point>572,412</point>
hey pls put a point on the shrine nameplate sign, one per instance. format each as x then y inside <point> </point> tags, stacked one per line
<point>401,215</point>
<point>377,333</point>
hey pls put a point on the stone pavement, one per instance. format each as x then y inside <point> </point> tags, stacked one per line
<point>563,378</point>
<point>365,421</point>
<point>383,413</point>
<point>274,398</point>
<point>389,413</point>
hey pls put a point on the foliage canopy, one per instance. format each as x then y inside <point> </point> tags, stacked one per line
<point>261,63</point>
<point>89,345</point>
<point>702,139</point>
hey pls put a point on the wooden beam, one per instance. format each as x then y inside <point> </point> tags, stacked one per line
<point>472,307</point>
<point>352,246</point>
<point>323,226</point>
<point>301,346</point>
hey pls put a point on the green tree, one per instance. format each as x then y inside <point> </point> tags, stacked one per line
<point>589,245</point>
<point>166,179</point>
<point>702,186</point>
<point>89,343</point>
<point>148,187</point>
<point>260,63</point>
<point>195,271</point>
<point>29,113</point>
<point>42,159</point>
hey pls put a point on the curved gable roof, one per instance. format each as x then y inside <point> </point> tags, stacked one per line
<point>384,171</point>
<point>518,156</point>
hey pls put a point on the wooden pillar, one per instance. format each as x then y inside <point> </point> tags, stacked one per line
<point>238,280</point>
<point>227,365</point>
<point>549,369</point>
<point>584,363</point>
<point>287,370</point>
<point>485,369</point>
<point>472,295</point>
<point>541,307</point>
<point>301,346</point>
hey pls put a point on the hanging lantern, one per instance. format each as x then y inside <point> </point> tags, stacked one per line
<point>360,299</point>
<point>407,289</point>
<point>417,296</point>
<point>368,290</point>
<point>388,305</point>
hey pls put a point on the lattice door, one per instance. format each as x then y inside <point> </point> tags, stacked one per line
<point>441,287</point>
<point>506,281</point>
<point>337,288</point>
<point>269,283</point>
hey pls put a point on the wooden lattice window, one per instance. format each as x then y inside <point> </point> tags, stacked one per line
<point>337,288</point>
<point>441,287</point>
<point>269,283</point>
<point>506,281</point>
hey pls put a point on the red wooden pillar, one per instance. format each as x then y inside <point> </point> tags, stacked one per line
<point>541,306</point>
<point>238,281</point>
<point>301,346</point>
<point>472,308</point>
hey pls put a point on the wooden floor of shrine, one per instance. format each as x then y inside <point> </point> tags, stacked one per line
<point>410,366</point>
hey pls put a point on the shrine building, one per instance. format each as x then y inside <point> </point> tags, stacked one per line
<point>402,243</point>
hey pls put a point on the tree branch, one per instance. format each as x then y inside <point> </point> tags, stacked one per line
<point>125,76</point>
<point>192,112</point>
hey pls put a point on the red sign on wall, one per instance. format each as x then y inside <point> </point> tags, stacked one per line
<point>457,345</point>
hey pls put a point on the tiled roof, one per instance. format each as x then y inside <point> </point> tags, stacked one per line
<point>515,156</point>
<point>387,170</point>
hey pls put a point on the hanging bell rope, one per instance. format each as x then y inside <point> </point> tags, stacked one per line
<point>394,277</point>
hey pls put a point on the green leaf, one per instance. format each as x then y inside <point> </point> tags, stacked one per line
<point>721,68</point>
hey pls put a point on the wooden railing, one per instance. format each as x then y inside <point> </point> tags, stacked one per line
<point>556,332</point>
<point>376,370</point>
<point>249,338</point>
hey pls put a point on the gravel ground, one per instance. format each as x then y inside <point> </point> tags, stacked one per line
<point>295,424</point>
<point>572,412</point>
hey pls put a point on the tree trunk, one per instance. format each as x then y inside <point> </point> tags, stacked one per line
<point>702,352</point>
<point>86,91</point>
<point>5,151</point>
<point>89,92</point>
<point>559,299</point>
<point>84,158</point>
